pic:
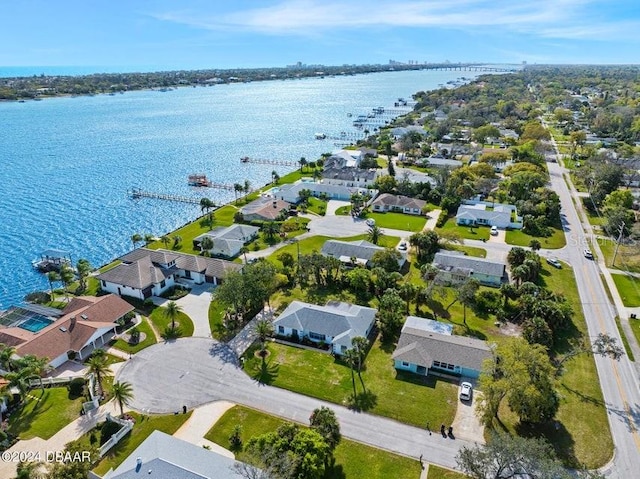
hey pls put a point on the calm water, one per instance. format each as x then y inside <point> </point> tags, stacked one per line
<point>67,163</point>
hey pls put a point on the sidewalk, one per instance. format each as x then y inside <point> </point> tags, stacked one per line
<point>202,419</point>
<point>245,338</point>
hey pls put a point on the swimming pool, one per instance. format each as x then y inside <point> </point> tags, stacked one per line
<point>35,324</point>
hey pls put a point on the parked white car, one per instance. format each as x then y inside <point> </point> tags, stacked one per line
<point>494,231</point>
<point>370,222</point>
<point>466,391</point>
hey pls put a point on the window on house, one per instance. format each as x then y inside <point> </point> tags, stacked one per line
<point>163,283</point>
<point>405,364</point>
<point>316,336</point>
<point>450,366</point>
<point>436,364</point>
<point>281,329</point>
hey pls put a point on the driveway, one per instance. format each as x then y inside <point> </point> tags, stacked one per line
<point>333,205</point>
<point>196,371</point>
<point>466,424</point>
<point>196,306</point>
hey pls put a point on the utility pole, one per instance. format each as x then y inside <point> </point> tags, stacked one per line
<point>621,229</point>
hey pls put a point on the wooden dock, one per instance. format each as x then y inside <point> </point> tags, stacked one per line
<point>260,161</point>
<point>136,193</point>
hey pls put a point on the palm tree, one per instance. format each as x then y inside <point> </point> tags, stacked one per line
<point>20,379</point>
<point>275,177</point>
<point>237,188</point>
<point>244,251</point>
<point>206,244</point>
<point>123,394</point>
<point>247,187</point>
<point>166,240</point>
<point>67,275</point>
<point>149,238</point>
<point>374,234</point>
<point>359,346</point>
<point>38,367</point>
<point>83,267</point>
<point>98,366</point>
<point>6,357</point>
<point>270,229</point>
<point>350,357</point>
<point>135,239</point>
<point>303,162</point>
<point>52,277</point>
<point>264,329</point>
<point>172,311</point>
<point>176,240</point>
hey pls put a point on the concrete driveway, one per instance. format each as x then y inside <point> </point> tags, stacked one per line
<point>466,424</point>
<point>333,205</point>
<point>196,306</point>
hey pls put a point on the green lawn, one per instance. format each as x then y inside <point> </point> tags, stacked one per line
<point>422,399</point>
<point>520,238</point>
<point>294,227</point>
<point>436,472</point>
<point>628,257</point>
<point>583,437</point>
<point>343,210</point>
<point>44,413</point>
<point>352,460</point>
<point>398,221</point>
<point>149,339</point>
<point>466,232</point>
<point>635,327</point>
<point>144,426</point>
<point>317,206</point>
<point>161,322</point>
<point>216,313</point>
<point>629,289</point>
<point>469,250</point>
<point>625,340</point>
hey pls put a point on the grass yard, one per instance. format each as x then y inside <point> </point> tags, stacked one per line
<point>216,313</point>
<point>628,257</point>
<point>317,206</point>
<point>423,399</point>
<point>398,221</point>
<point>44,413</point>
<point>149,339</point>
<point>343,210</point>
<point>352,459</point>
<point>629,289</point>
<point>161,322</point>
<point>635,327</point>
<point>583,436</point>
<point>625,340</point>
<point>468,250</point>
<point>520,238</point>
<point>466,232</point>
<point>436,472</point>
<point>144,426</point>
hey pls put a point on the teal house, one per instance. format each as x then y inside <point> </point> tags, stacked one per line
<point>428,346</point>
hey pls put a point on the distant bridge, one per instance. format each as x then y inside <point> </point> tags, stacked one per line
<point>470,67</point>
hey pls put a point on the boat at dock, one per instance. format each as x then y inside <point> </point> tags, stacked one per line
<point>320,136</point>
<point>52,260</point>
<point>198,179</point>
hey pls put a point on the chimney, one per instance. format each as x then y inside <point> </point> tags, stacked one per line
<point>72,324</point>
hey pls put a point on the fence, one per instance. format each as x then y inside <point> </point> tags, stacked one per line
<point>42,382</point>
<point>113,440</point>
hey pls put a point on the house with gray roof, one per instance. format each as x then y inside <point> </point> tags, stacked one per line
<point>362,251</point>
<point>399,203</point>
<point>350,177</point>
<point>144,273</point>
<point>428,346</point>
<point>488,214</point>
<point>265,208</point>
<point>228,241</point>
<point>439,162</point>
<point>335,324</point>
<point>454,267</point>
<point>162,456</point>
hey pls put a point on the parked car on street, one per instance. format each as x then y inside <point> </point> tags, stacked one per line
<point>588,254</point>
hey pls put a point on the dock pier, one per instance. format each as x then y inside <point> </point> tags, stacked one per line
<point>136,193</point>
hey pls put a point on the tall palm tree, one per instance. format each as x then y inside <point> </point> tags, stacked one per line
<point>135,239</point>
<point>244,251</point>
<point>98,366</point>
<point>270,229</point>
<point>303,162</point>
<point>149,238</point>
<point>176,240</point>
<point>359,346</point>
<point>83,267</point>
<point>166,240</point>
<point>67,275</point>
<point>206,244</point>
<point>350,358</point>
<point>21,379</point>
<point>172,311</point>
<point>52,277</point>
<point>37,367</point>
<point>247,187</point>
<point>237,188</point>
<point>123,394</point>
<point>264,329</point>
<point>275,177</point>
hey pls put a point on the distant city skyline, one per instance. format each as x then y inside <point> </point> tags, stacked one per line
<point>201,34</point>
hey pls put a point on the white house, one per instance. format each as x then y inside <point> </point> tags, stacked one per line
<point>86,323</point>
<point>362,251</point>
<point>428,346</point>
<point>228,241</point>
<point>344,159</point>
<point>454,267</point>
<point>350,177</point>
<point>403,204</point>
<point>483,213</point>
<point>335,324</point>
<point>145,272</point>
<point>291,192</point>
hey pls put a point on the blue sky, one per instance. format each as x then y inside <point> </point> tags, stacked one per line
<point>255,33</point>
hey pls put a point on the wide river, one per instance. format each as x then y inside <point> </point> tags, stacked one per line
<point>67,163</point>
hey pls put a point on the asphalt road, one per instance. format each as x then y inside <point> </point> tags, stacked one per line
<point>618,379</point>
<point>196,371</point>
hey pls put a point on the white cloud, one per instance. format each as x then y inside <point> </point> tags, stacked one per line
<point>554,18</point>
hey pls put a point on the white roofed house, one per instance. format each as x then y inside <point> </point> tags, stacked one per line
<point>488,214</point>
<point>454,267</point>
<point>403,204</point>
<point>144,272</point>
<point>361,251</point>
<point>350,177</point>
<point>228,241</point>
<point>291,192</point>
<point>334,324</point>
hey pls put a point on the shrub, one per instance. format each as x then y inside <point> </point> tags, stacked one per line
<point>235,439</point>
<point>76,387</point>
<point>108,429</point>
<point>134,336</point>
<point>38,297</point>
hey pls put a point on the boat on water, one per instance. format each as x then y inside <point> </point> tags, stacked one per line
<point>52,260</point>
<point>320,136</point>
<point>198,179</point>
<point>244,159</point>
